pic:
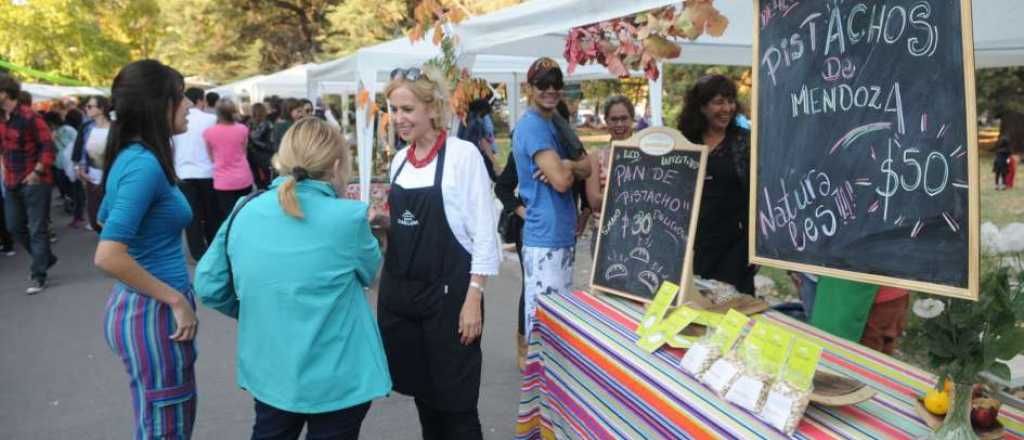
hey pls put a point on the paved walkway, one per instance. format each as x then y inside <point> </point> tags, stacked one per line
<point>59,380</point>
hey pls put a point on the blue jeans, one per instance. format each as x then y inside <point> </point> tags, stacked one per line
<point>278,424</point>
<point>27,212</point>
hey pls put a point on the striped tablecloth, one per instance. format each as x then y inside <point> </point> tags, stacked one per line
<point>586,378</point>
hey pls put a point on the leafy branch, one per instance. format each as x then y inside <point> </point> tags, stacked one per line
<point>640,41</point>
<point>964,338</point>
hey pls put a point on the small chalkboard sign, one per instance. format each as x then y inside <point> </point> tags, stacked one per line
<point>649,215</point>
<point>864,161</point>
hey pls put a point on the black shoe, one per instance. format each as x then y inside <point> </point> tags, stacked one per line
<point>36,287</point>
<point>53,261</point>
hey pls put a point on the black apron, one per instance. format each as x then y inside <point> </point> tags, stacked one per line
<point>422,289</point>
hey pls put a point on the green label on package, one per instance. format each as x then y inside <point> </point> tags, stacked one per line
<point>802,363</point>
<point>676,321</point>
<point>729,329</point>
<point>776,348</point>
<point>656,310</point>
<point>709,319</point>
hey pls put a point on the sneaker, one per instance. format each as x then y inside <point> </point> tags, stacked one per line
<point>7,251</point>
<point>36,287</point>
<point>53,262</point>
<point>88,226</point>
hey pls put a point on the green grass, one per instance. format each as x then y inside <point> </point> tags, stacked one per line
<point>1000,207</point>
<point>589,142</point>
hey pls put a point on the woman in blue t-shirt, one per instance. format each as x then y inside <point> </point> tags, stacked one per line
<point>150,318</point>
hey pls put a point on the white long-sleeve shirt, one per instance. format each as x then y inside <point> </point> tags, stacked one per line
<point>468,200</point>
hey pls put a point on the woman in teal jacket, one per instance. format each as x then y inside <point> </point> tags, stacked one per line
<point>309,350</point>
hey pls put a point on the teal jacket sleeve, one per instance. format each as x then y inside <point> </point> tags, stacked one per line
<point>366,248</point>
<point>211,282</point>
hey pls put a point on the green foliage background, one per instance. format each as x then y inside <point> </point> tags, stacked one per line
<point>219,40</point>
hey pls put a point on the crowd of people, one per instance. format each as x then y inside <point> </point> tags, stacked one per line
<point>259,200</point>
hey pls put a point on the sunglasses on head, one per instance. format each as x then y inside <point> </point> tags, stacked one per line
<point>410,74</point>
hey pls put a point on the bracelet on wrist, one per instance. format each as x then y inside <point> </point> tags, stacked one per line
<point>477,286</point>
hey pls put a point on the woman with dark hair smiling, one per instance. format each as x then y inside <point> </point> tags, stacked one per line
<point>709,118</point>
<point>619,116</point>
<point>150,317</point>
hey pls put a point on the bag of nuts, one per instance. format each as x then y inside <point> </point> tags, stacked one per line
<point>717,341</point>
<point>789,396</point>
<point>750,388</point>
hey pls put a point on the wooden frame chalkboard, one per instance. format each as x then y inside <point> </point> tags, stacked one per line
<point>936,247</point>
<point>653,144</point>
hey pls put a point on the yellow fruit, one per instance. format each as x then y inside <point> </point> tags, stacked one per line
<point>937,402</point>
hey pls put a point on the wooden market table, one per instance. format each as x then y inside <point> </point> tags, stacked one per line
<point>586,378</point>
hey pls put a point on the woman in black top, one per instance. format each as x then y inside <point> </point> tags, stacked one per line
<point>709,118</point>
<point>512,219</point>
<point>261,145</point>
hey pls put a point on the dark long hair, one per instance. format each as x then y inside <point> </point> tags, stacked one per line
<point>692,122</point>
<point>145,95</point>
<point>103,103</point>
<point>287,107</point>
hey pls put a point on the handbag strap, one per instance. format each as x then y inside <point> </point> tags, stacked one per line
<point>227,234</point>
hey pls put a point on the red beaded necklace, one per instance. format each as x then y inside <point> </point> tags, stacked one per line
<point>420,163</point>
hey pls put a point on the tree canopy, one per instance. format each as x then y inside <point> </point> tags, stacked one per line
<point>90,40</point>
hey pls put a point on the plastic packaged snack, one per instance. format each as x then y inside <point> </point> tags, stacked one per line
<point>750,388</point>
<point>702,354</point>
<point>789,396</point>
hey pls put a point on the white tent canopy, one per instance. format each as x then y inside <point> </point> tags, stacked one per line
<point>288,83</point>
<point>242,87</point>
<point>539,28</point>
<point>499,46</point>
<point>43,92</point>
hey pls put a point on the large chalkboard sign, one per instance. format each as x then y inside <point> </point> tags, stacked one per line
<point>865,142</point>
<point>649,214</point>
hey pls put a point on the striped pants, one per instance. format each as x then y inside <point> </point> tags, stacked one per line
<point>138,330</point>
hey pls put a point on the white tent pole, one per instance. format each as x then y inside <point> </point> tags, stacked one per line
<point>364,151</point>
<point>344,112</point>
<point>513,101</point>
<point>654,91</point>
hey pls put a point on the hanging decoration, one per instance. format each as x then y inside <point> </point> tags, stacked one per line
<point>434,17</point>
<point>640,41</point>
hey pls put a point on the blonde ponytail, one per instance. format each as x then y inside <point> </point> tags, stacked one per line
<point>288,200</point>
<point>308,150</point>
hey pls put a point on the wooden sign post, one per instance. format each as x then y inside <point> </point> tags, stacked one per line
<point>649,216</point>
<point>865,157</point>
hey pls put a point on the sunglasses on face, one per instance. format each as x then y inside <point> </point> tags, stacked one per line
<point>91,106</point>
<point>620,120</point>
<point>544,84</point>
<point>411,74</point>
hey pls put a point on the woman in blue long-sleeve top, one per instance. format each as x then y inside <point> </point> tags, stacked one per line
<point>309,349</point>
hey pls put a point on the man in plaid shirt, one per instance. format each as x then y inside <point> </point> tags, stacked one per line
<point>28,157</point>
